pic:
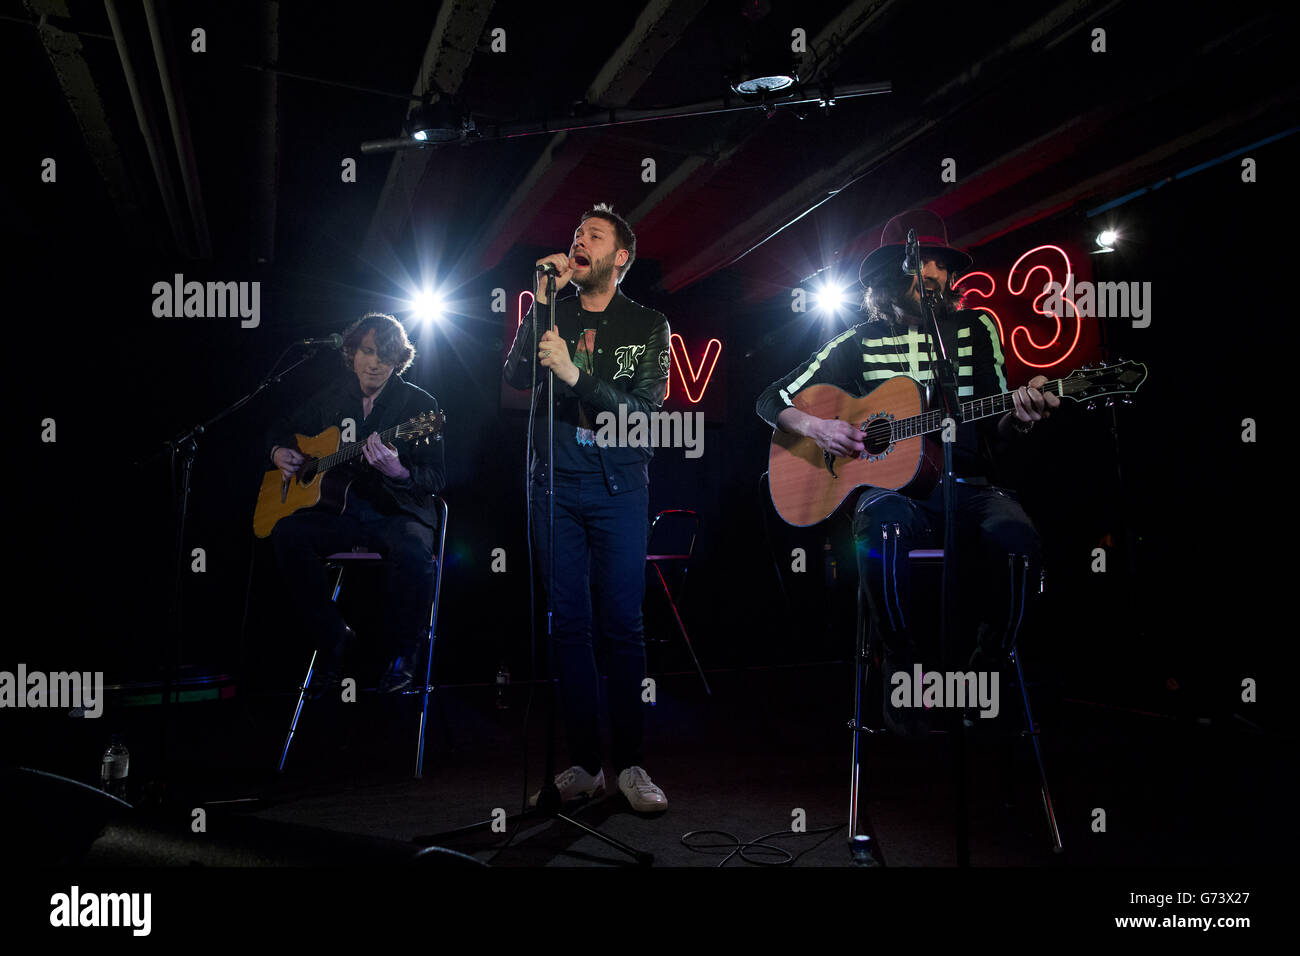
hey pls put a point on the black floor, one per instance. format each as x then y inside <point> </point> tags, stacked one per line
<point>768,749</point>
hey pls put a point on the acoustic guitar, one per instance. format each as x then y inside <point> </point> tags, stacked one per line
<point>320,482</point>
<point>808,485</point>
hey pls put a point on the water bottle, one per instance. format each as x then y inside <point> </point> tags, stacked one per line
<point>113,768</point>
<point>503,681</point>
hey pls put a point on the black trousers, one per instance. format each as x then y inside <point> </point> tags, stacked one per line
<point>998,560</point>
<point>600,542</point>
<point>304,539</point>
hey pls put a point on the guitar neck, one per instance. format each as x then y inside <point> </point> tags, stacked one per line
<point>352,450</point>
<point>932,421</point>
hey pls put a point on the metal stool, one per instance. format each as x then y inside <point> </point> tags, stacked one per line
<point>866,641</point>
<point>680,517</point>
<point>340,562</point>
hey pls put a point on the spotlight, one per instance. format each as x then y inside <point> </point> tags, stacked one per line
<point>830,297</point>
<point>427,306</point>
<point>436,122</point>
<point>1106,239</point>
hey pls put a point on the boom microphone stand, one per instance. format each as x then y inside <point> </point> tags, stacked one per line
<point>185,447</point>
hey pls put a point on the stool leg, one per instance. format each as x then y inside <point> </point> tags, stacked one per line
<point>1048,808</point>
<point>682,627</point>
<point>293,724</point>
<point>859,676</point>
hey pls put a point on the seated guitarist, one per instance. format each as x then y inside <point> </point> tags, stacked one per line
<point>388,508</point>
<point>992,526</point>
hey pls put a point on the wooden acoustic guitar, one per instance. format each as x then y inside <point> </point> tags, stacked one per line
<point>808,485</point>
<point>320,483</point>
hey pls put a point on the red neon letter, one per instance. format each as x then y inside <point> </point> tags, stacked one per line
<point>683,363</point>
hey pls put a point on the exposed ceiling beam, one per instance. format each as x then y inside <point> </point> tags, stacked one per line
<point>658,28</point>
<point>447,56</point>
<point>68,60</point>
<point>178,117</point>
<point>268,134</point>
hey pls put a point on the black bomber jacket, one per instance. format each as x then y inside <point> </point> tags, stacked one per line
<point>633,357</point>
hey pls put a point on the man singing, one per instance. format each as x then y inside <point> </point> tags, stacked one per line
<point>996,540</point>
<point>389,503</point>
<point>606,351</point>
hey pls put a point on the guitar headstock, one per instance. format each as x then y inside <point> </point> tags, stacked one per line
<point>426,425</point>
<point>1098,380</point>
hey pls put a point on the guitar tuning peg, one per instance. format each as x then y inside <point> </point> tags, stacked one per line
<point>1126,401</point>
<point>1110,403</point>
<point>1090,406</point>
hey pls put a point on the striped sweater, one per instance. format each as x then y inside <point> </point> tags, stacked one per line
<point>860,358</point>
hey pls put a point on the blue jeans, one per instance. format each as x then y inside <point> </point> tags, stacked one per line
<point>600,542</point>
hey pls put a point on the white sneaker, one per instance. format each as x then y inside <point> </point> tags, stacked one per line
<point>640,791</point>
<point>574,784</point>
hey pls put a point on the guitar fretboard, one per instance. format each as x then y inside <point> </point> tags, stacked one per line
<point>932,421</point>
<point>351,450</point>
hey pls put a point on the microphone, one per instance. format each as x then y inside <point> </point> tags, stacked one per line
<point>912,258</point>
<point>334,341</point>
<point>547,268</point>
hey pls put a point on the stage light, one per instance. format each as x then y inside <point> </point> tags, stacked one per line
<point>427,306</point>
<point>436,122</point>
<point>1106,239</point>
<point>830,297</point>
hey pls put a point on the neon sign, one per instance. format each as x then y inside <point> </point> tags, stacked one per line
<point>984,286</point>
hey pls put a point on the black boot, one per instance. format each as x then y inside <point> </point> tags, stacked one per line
<point>400,676</point>
<point>327,674</point>
<point>910,721</point>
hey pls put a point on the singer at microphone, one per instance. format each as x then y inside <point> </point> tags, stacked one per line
<point>610,356</point>
<point>388,506</point>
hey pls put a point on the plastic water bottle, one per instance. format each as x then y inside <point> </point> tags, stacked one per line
<point>114,767</point>
<point>503,681</point>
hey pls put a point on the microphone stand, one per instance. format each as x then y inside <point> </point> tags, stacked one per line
<point>186,446</point>
<point>946,378</point>
<point>549,803</point>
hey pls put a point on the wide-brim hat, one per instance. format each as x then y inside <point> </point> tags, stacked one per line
<point>931,233</point>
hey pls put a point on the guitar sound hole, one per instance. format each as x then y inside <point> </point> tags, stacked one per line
<point>876,439</point>
<point>308,473</point>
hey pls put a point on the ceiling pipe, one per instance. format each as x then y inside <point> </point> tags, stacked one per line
<point>616,117</point>
<point>180,130</point>
<point>152,140</point>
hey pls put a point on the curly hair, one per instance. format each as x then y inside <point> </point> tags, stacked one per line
<point>888,283</point>
<point>624,237</point>
<point>391,343</point>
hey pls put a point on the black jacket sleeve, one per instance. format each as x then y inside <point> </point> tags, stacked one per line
<point>307,419</point>
<point>649,381</point>
<point>518,371</point>
<point>989,375</point>
<point>426,462</point>
<point>832,364</point>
